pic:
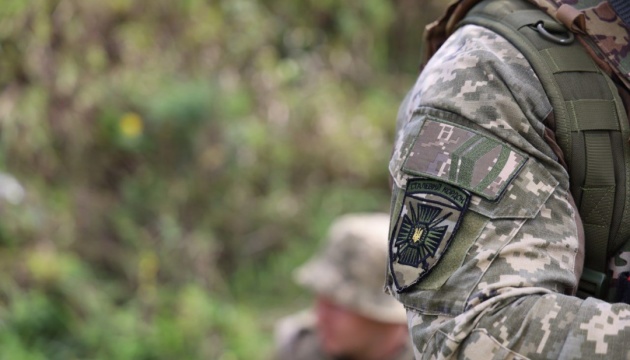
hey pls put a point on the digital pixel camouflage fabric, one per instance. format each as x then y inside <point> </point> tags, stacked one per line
<point>594,20</point>
<point>503,289</point>
<point>598,21</point>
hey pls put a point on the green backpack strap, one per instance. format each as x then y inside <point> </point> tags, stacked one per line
<point>591,126</point>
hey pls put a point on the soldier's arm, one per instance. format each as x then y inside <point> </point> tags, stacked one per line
<point>484,241</point>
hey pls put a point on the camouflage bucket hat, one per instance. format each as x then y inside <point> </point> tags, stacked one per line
<point>350,269</point>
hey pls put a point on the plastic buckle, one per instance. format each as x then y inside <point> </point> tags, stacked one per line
<point>593,284</point>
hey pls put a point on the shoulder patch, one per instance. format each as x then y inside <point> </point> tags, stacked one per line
<point>462,157</point>
<point>428,220</point>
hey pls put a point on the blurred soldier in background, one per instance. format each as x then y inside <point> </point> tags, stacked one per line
<point>352,318</point>
<point>511,184</point>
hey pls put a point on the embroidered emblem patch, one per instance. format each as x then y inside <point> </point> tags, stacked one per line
<point>463,157</point>
<point>429,217</point>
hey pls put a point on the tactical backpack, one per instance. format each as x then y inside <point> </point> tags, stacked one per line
<point>591,128</point>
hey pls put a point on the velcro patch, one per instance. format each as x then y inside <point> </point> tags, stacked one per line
<point>429,217</point>
<point>465,158</point>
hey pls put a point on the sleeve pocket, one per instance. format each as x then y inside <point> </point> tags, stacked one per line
<point>523,197</point>
<point>504,181</point>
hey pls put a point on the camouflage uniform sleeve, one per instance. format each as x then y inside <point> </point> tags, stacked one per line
<point>483,237</point>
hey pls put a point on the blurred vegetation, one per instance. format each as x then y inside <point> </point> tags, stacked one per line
<point>176,160</point>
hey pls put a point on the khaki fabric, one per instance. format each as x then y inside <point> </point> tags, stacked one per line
<point>510,296</point>
<point>595,21</point>
<point>350,268</point>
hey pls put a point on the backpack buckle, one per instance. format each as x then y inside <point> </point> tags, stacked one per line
<point>540,27</point>
<point>593,284</point>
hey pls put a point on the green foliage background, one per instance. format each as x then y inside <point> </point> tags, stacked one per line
<point>180,158</point>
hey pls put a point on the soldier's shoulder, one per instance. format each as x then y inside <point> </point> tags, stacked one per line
<point>478,71</point>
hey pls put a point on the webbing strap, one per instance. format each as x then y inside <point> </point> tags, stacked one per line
<point>584,111</point>
<point>589,122</point>
<point>599,161</point>
<point>598,197</point>
<point>563,59</point>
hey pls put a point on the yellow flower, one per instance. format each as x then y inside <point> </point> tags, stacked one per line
<point>148,267</point>
<point>131,125</point>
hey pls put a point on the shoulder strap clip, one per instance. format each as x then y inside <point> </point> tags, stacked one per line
<point>540,27</point>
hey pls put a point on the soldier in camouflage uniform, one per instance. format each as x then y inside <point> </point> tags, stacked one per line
<point>485,249</point>
<point>352,317</point>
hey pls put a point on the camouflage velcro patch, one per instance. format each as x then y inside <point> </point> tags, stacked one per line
<point>431,213</point>
<point>464,158</point>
